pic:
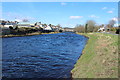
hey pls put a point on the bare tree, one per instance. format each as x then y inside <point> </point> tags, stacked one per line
<point>79,28</point>
<point>25,20</point>
<point>91,25</point>
<point>58,25</point>
<point>98,27</point>
<point>50,25</point>
<point>112,22</point>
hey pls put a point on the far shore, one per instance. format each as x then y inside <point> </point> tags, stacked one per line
<point>29,34</point>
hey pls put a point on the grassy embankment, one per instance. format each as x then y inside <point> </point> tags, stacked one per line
<point>22,31</point>
<point>29,34</point>
<point>99,58</point>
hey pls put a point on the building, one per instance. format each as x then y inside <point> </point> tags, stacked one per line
<point>38,25</point>
<point>25,25</point>
<point>102,29</point>
<point>69,29</point>
<point>48,28</point>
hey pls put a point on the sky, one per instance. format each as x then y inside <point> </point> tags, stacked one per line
<point>60,0</point>
<point>67,14</point>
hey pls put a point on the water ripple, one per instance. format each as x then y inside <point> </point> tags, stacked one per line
<point>41,56</point>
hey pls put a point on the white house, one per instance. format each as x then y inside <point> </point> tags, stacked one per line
<point>25,24</point>
<point>102,29</point>
<point>48,28</point>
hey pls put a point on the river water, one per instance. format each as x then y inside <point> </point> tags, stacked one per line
<point>41,56</point>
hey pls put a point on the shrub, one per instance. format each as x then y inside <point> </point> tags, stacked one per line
<point>10,27</point>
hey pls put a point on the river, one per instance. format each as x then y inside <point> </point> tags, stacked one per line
<point>41,56</point>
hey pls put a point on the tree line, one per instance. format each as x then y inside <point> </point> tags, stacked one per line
<point>90,26</point>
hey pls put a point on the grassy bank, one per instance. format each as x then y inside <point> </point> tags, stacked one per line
<point>29,34</point>
<point>99,58</point>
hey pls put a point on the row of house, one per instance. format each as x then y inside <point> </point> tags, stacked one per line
<point>47,27</point>
<point>105,28</point>
<point>7,24</point>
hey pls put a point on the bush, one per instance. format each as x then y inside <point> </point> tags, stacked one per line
<point>60,30</point>
<point>79,28</point>
<point>117,31</point>
<point>10,27</point>
<point>113,29</point>
<point>90,25</point>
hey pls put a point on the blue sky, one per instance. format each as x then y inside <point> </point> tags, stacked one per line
<point>67,14</point>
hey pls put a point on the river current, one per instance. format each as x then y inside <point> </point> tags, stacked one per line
<point>41,56</point>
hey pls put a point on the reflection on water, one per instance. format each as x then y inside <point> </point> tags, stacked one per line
<point>41,56</point>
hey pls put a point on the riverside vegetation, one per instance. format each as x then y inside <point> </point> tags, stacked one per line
<point>99,58</point>
<point>24,31</point>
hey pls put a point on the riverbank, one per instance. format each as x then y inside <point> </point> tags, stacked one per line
<point>29,34</point>
<point>99,58</point>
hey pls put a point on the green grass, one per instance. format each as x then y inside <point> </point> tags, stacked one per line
<point>98,59</point>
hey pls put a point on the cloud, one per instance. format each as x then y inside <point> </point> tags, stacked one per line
<point>19,20</point>
<point>110,12</point>
<point>93,16</point>
<point>76,17</point>
<point>63,3</point>
<point>24,19</point>
<point>115,19</point>
<point>104,8</point>
<point>72,25</point>
<point>2,19</point>
<point>18,17</point>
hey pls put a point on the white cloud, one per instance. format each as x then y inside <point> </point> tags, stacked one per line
<point>93,16</point>
<point>76,17</point>
<point>17,17</point>
<point>115,19</point>
<point>104,8</point>
<point>110,12</point>
<point>19,20</point>
<point>2,19</point>
<point>63,3</point>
